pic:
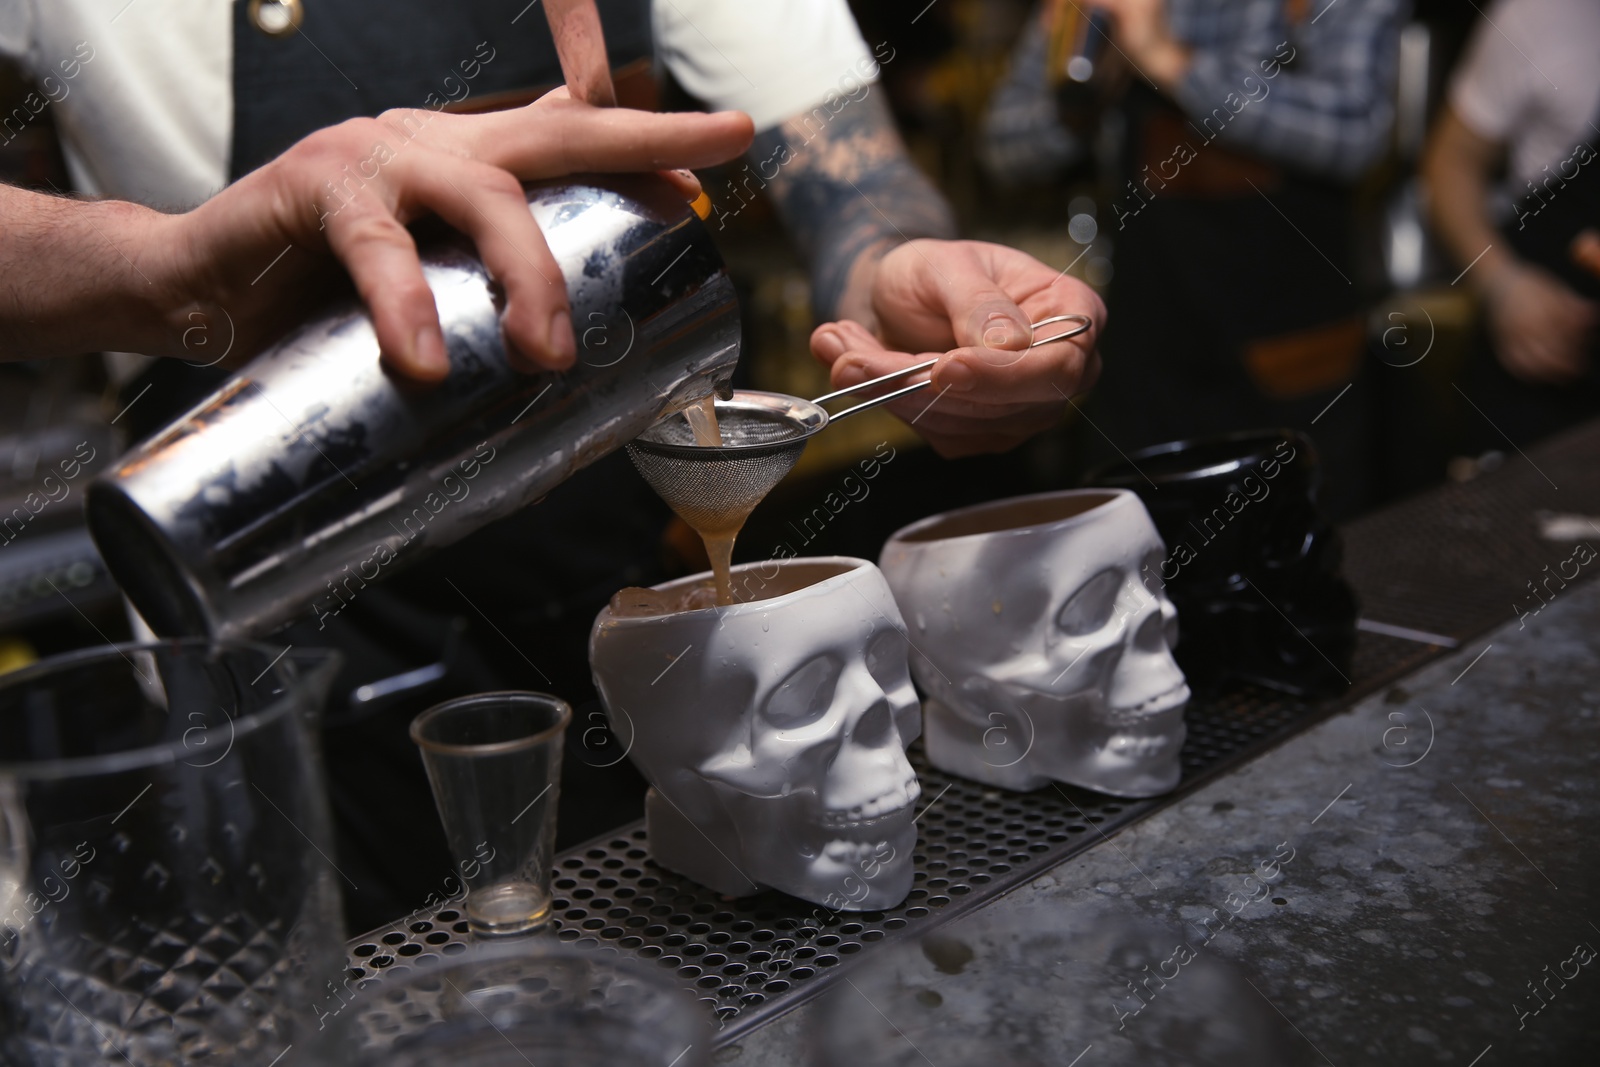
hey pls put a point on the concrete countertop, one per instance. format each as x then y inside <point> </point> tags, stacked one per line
<point>1438,893</point>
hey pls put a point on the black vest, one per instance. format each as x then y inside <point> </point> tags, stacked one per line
<point>360,57</point>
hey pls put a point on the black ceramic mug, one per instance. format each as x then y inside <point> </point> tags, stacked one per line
<point>1251,565</point>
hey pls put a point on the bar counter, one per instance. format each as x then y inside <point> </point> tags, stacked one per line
<point>1394,874</point>
<point>1438,865</point>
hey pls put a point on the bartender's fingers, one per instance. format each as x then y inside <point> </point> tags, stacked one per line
<point>1006,383</point>
<point>488,205</point>
<point>832,340</point>
<point>1058,370</point>
<point>953,425</point>
<point>966,282</point>
<point>975,296</point>
<point>855,366</point>
<point>382,260</point>
<point>684,181</point>
<point>556,136</point>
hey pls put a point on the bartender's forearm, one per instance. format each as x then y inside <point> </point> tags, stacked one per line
<point>1455,171</point>
<point>849,192</point>
<point>81,276</point>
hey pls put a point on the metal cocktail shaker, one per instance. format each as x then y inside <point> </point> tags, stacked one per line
<point>313,471</point>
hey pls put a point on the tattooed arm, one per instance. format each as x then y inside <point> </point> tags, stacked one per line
<point>848,191</point>
<point>875,232</point>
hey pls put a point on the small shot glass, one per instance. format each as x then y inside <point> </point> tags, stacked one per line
<point>494,761</point>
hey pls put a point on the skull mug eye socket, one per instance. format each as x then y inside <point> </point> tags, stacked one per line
<point>805,695</point>
<point>886,659</point>
<point>1090,607</point>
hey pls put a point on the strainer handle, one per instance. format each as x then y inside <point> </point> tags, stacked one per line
<point>886,397</point>
<point>1083,323</point>
<point>891,376</point>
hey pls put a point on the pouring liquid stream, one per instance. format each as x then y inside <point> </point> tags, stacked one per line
<point>716,529</point>
<point>702,418</point>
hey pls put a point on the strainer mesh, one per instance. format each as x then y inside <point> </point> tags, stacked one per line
<point>712,487</point>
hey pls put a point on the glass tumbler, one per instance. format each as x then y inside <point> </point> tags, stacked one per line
<point>494,761</point>
<point>166,891</point>
<point>515,1003</point>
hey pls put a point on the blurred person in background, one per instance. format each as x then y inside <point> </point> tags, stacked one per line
<point>1514,192</point>
<point>1242,125</point>
<point>236,114</point>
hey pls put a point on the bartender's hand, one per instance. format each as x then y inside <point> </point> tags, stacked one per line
<point>1142,32</point>
<point>1541,328</point>
<point>108,275</point>
<point>971,303</point>
<point>350,189</point>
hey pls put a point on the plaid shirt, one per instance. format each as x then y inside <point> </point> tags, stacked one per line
<point>1329,112</point>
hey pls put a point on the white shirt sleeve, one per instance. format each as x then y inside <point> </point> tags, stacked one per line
<point>1490,87</point>
<point>143,103</point>
<point>772,59</point>
<point>1529,80</point>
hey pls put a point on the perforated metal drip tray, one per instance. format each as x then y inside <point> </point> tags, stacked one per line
<point>749,960</point>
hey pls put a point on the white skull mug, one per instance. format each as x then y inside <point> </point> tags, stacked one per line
<point>1042,640</point>
<point>772,731</point>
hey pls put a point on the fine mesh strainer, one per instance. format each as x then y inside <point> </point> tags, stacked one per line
<point>763,435</point>
<point>708,486</point>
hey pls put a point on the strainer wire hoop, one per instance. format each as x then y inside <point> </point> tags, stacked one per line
<point>751,407</point>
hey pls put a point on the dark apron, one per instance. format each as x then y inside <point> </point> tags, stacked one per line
<point>510,606</point>
<point>1223,312</point>
<point>360,57</point>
